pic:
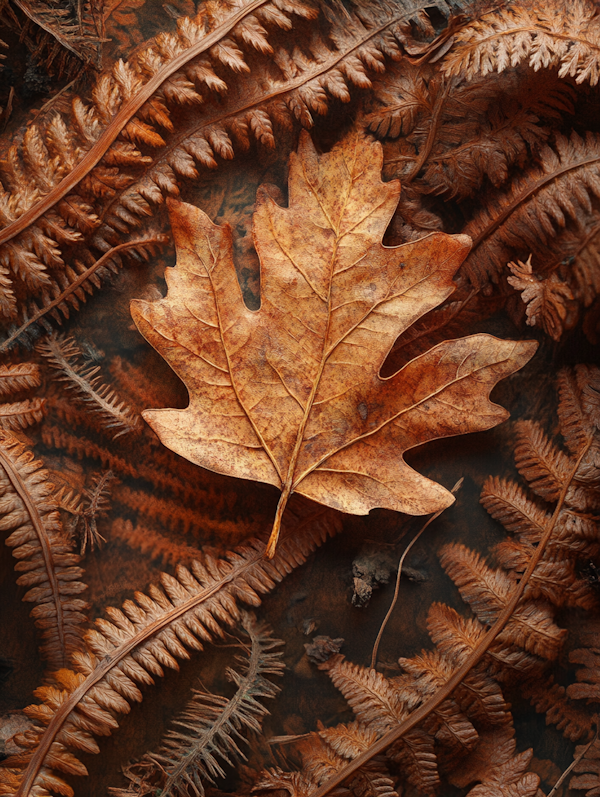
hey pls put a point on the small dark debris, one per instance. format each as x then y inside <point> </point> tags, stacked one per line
<point>35,80</point>
<point>412,574</point>
<point>371,567</point>
<point>322,648</point>
<point>308,626</point>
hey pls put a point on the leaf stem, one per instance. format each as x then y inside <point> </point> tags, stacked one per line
<point>283,499</point>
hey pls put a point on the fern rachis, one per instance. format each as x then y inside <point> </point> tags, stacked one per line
<point>208,733</point>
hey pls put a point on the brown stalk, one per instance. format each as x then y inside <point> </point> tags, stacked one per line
<point>405,553</point>
<point>432,133</point>
<point>442,694</point>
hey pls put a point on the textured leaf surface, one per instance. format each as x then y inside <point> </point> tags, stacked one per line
<point>291,394</point>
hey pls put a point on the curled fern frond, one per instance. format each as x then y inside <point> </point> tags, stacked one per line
<point>63,354</point>
<point>207,735</point>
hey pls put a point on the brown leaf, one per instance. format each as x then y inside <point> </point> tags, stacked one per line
<point>291,394</point>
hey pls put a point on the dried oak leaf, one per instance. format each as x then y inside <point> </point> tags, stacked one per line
<point>290,394</point>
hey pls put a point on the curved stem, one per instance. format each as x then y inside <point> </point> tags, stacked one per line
<point>454,490</point>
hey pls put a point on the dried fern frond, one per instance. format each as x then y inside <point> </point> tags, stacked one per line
<point>587,769</point>
<point>380,703</point>
<point>207,735</point>
<point>138,385</point>
<point>556,34</point>
<point>68,499</point>
<point>497,768</point>
<point>21,376</point>
<point>79,182</point>
<point>73,284</point>
<point>580,253</point>
<point>64,36</point>
<point>97,506</point>
<point>373,698</point>
<point>180,518</point>
<point>63,354</point>
<point>541,463</point>
<point>79,447</point>
<point>554,475</point>
<point>149,634</point>
<point>487,591</point>
<point>550,698</point>
<point>451,137</point>
<point>49,566</point>
<point>21,414</point>
<point>325,752</point>
<point>152,542</point>
<point>529,215</point>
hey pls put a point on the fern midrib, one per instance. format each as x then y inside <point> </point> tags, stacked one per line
<point>535,31</point>
<point>110,133</point>
<point>230,710</point>
<point>286,87</point>
<point>90,394</point>
<point>62,714</point>
<point>423,711</point>
<point>81,279</point>
<point>20,488</point>
<point>526,195</point>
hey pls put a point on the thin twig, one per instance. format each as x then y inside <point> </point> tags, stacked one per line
<point>454,490</point>
<point>574,764</point>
